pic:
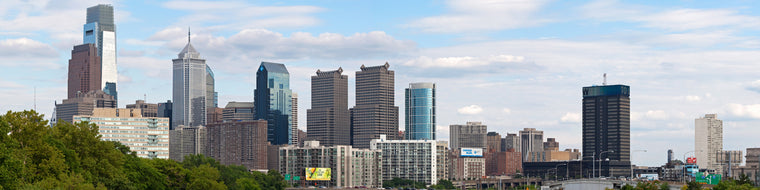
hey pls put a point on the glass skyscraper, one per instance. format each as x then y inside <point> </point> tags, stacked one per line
<point>101,31</point>
<point>273,102</point>
<point>420,111</point>
<point>190,88</point>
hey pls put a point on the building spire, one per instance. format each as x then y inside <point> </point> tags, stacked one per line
<point>188,35</point>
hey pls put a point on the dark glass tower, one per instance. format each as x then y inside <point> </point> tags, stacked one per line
<point>374,113</point>
<point>272,101</point>
<point>607,127</point>
<point>420,111</point>
<point>327,121</point>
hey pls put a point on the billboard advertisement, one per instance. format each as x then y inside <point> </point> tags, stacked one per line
<point>705,178</point>
<point>318,174</point>
<point>691,160</point>
<point>471,152</point>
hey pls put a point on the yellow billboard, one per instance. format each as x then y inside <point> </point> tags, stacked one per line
<point>318,174</point>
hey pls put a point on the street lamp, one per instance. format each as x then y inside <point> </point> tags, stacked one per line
<point>600,161</point>
<point>632,161</point>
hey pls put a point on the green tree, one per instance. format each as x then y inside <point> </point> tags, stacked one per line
<point>247,183</point>
<point>205,177</point>
<point>664,186</point>
<point>443,184</point>
<point>176,175</point>
<point>693,185</point>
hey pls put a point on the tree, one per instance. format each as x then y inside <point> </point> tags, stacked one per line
<point>247,183</point>
<point>205,177</point>
<point>693,185</point>
<point>664,186</point>
<point>443,184</point>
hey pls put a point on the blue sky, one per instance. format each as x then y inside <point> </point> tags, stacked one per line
<point>511,64</point>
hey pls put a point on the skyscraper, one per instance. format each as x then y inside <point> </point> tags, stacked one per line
<point>532,140</point>
<point>100,30</point>
<point>420,111</point>
<point>708,141</point>
<point>294,123</point>
<point>189,92</point>
<point>471,135</point>
<point>374,113</point>
<point>494,142</point>
<point>511,141</point>
<point>607,127</point>
<point>272,100</point>
<point>211,96</point>
<point>165,110</point>
<point>84,70</point>
<point>327,121</point>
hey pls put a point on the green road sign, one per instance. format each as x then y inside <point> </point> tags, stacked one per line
<point>287,177</point>
<point>296,178</point>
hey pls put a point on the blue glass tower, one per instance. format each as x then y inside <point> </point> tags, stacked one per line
<point>420,111</point>
<point>273,102</point>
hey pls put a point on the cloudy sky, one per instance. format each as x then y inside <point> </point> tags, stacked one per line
<point>511,64</point>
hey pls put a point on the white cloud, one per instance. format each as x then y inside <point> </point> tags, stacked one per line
<point>690,19</point>
<point>571,118</point>
<point>507,110</point>
<point>657,114</point>
<point>462,62</point>
<point>240,15</point>
<point>693,98</point>
<point>25,47</point>
<point>754,86</point>
<point>470,110</point>
<point>741,110</point>
<point>487,15</point>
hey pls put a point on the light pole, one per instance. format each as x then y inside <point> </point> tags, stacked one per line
<point>600,161</point>
<point>632,160</point>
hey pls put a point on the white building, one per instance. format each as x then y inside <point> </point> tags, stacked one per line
<point>708,141</point>
<point>148,137</point>
<point>415,160</point>
<point>350,167</point>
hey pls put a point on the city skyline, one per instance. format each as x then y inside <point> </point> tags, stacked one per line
<point>681,64</point>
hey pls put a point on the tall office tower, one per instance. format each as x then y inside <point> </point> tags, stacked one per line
<point>551,144</point>
<point>186,140</point>
<point>83,104</point>
<point>238,111</point>
<point>327,121</point>
<point>374,113</point>
<point>294,123</point>
<point>211,95</point>
<point>420,112</point>
<point>84,70</point>
<point>532,140</point>
<point>165,110</point>
<point>494,142</point>
<point>148,109</point>
<point>273,99</point>
<point>471,135</point>
<point>238,143</point>
<point>670,156</point>
<point>148,137</point>
<point>607,127</point>
<point>100,31</point>
<point>511,141</point>
<point>189,88</point>
<point>708,141</point>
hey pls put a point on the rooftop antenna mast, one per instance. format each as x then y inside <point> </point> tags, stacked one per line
<point>188,34</point>
<point>604,83</point>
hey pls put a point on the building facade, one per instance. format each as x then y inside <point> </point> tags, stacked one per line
<point>238,111</point>
<point>328,120</point>
<point>471,135</point>
<point>148,137</point>
<point>186,140</point>
<point>531,140</point>
<point>551,144</point>
<point>238,143</point>
<point>189,89</point>
<point>468,168</point>
<point>349,166</point>
<point>375,113</point>
<point>83,104</point>
<point>607,126</point>
<point>420,111</point>
<point>148,109</point>
<point>493,141</point>
<point>553,155</point>
<point>273,99</point>
<point>296,139</point>
<point>442,159</point>
<point>414,160</point>
<point>165,110</point>
<point>100,30</point>
<point>84,70</point>
<point>503,163</point>
<point>511,141</point>
<point>708,141</point>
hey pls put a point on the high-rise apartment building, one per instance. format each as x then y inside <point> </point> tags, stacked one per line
<point>349,166</point>
<point>607,127</point>
<point>186,140</point>
<point>296,140</point>
<point>148,137</point>
<point>84,70</point>
<point>273,99</point>
<point>493,140</point>
<point>442,159</point>
<point>415,160</point>
<point>238,143</point>
<point>83,104</point>
<point>375,113</point>
<point>531,140</point>
<point>148,109</point>
<point>471,135</point>
<point>238,111</point>
<point>100,31</point>
<point>190,89</point>
<point>327,121</point>
<point>511,141</point>
<point>420,111</point>
<point>708,141</point>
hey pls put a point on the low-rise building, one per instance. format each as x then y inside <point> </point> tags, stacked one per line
<point>349,167</point>
<point>553,155</point>
<point>415,160</point>
<point>468,163</point>
<point>148,137</point>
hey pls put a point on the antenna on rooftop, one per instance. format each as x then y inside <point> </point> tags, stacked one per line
<point>188,34</point>
<point>604,83</point>
<point>145,97</point>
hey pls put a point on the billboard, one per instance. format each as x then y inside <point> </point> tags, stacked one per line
<point>318,174</point>
<point>705,178</point>
<point>471,152</point>
<point>691,160</point>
